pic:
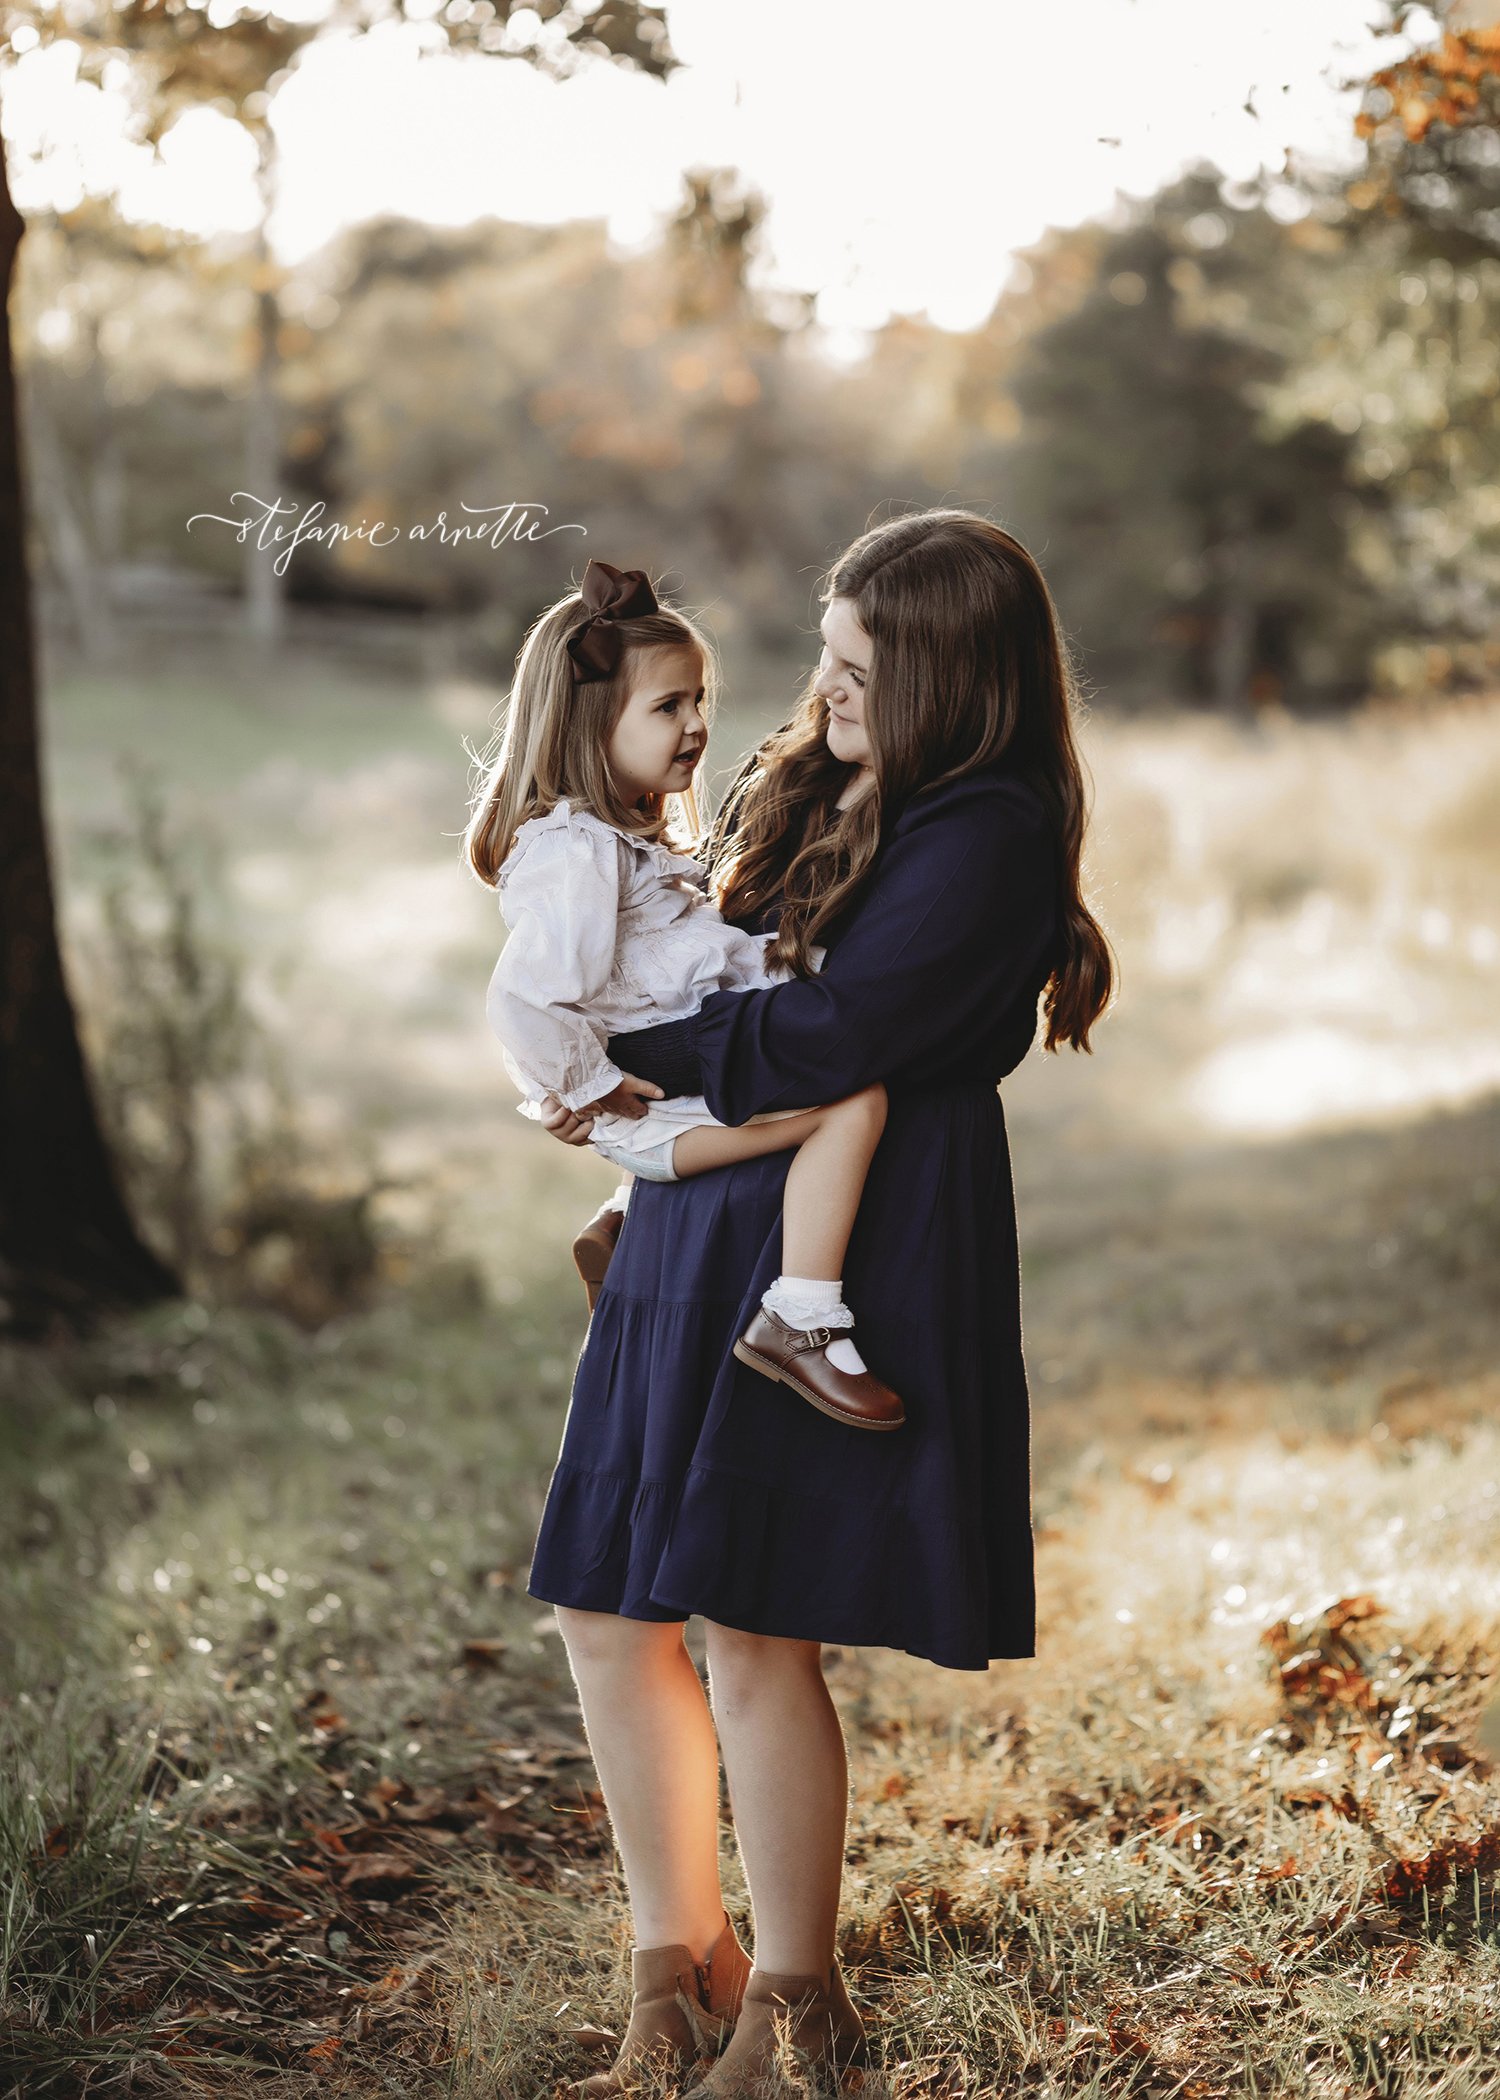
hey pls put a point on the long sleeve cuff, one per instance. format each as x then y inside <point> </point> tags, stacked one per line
<point>534,1086</point>
<point>666,1054</point>
<point>594,1088</point>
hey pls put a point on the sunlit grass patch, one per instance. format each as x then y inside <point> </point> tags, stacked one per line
<point>1322,892</point>
<point>1236,1827</point>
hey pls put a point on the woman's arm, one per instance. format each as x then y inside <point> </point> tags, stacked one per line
<point>666,1052</point>
<point>958,923</point>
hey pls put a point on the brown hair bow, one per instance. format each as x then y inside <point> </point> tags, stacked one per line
<point>610,595</point>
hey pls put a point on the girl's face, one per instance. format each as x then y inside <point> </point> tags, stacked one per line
<point>661,734</point>
<point>840,682</point>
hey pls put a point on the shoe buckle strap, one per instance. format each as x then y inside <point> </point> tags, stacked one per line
<point>815,1338</point>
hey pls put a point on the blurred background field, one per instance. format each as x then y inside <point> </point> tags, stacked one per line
<point>295,1797</point>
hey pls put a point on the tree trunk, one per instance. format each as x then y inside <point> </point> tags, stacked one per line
<point>68,1246</point>
<point>105,506</point>
<point>63,522</point>
<point>265,591</point>
<point>1233,652</point>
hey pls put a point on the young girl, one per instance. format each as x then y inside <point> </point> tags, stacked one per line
<point>610,929</point>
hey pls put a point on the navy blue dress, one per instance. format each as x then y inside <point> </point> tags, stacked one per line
<point>688,1483</point>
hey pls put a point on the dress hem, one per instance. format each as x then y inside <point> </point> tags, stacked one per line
<point>628,1572</point>
<point>670,1613</point>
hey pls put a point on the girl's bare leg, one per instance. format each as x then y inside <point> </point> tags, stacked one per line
<point>653,1745</point>
<point>824,1183</point>
<point>789,1789</point>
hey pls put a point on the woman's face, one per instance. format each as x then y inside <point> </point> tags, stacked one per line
<point>840,682</point>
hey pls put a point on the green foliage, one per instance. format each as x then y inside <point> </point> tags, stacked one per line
<point>1195,549</point>
<point>196,1098</point>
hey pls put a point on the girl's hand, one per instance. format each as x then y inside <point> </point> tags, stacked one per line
<point>560,1122</point>
<point>629,1098</point>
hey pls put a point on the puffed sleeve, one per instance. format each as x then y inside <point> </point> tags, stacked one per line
<point>957,927</point>
<point>561,902</point>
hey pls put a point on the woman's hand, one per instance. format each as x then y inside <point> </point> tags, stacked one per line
<point>629,1098</point>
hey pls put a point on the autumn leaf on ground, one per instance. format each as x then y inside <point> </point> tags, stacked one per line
<point>376,1870</point>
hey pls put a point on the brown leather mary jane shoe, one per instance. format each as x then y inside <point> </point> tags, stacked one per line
<point>680,2012</point>
<point>798,1357</point>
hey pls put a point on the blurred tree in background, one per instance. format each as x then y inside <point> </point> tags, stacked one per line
<point>176,60</point>
<point>124,399</point>
<point>1431,123</point>
<point>1419,370</point>
<point>1200,547</point>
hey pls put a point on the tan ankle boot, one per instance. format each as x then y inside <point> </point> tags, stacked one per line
<point>680,2010</point>
<point>810,2014</point>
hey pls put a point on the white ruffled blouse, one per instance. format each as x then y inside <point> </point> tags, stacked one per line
<point>607,932</point>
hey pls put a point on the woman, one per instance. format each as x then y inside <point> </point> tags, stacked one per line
<point>921,817</point>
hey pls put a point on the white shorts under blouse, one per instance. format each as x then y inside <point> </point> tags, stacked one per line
<point>608,932</point>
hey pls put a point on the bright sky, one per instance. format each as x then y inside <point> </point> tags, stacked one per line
<point>907,147</point>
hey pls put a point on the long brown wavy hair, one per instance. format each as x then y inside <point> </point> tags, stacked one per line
<point>968,666</point>
<point>553,741</point>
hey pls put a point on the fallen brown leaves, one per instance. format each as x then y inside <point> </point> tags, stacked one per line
<point>293,1935</point>
<point>1453,1861</point>
<point>1329,1675</point>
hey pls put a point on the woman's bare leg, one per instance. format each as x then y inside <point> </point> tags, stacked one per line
<point>653,1745</point>
<point>789,1789</point>
<point>824,1183</point>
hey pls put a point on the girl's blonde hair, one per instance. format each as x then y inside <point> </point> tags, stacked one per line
<point>553,741</point>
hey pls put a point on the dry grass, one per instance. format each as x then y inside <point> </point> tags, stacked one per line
<point>295,1798</point>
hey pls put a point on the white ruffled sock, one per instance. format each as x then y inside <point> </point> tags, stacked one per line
<point>811,1301</point>
<point>621,1197</point>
